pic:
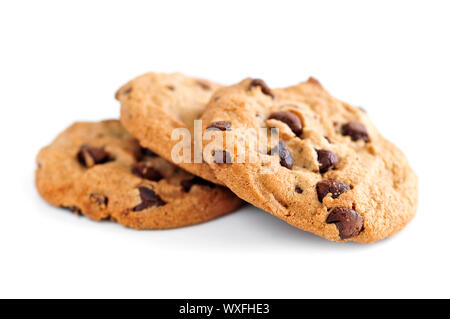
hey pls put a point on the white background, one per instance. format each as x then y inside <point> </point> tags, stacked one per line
<point>61,62</point>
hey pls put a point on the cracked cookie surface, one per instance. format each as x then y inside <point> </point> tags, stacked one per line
<point>99,170</point>
<point>332,173</point>
<point>154,104</point>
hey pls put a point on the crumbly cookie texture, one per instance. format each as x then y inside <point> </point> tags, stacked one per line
<point>154,104</point>
<point>99,170</point>
<point>332,173</point>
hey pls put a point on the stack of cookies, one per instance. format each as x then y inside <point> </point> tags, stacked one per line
<point>322,167</point>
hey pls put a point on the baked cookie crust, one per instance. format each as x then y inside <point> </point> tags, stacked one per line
<point>99,170</point>
<point>153,105</point>
<point>333,173</point>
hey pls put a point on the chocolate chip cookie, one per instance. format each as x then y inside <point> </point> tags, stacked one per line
<point>328,171</point>
<point>154,104</point>
<point>99,170</point>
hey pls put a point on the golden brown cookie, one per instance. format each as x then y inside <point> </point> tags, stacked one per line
<point>154,104</point>
<point>331,172</point>
<point>99,170</point>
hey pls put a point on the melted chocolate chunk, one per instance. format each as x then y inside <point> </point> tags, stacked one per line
<point>286,159</point>
<point>356,131</point>
<point>89,156</point>
<point>142,170</point>
<point>149,199</point>
<point>264,87</point>
<point>332,186</point>
<point>348,222</point>
<point>290,119</point>
<point>327,160</point>
<point>298,190</point>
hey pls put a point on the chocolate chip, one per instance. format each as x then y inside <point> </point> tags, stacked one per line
<point>348,222</point>
<point>264,88</point>
<point>332,186</point>
<point>221,157</point>
<point>298,190</point>
<point>142,170</point>
<point>89,156</point>
<point>147,152</point>
<point>290,119</point>
<point>171,87</point>
<point>285,156</point>
<point>327,160</point>
<point>148,194</point>
<point>99,199</point>
<point>204,85</point>
<point>220,125</point>
<point>187,184</point>
<point>356,131</point>
<point>149,199</point>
